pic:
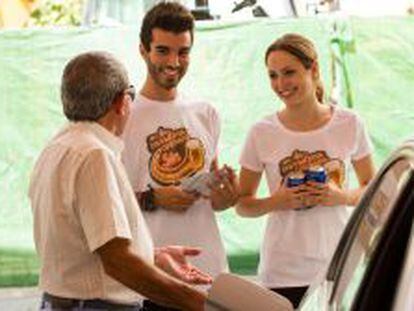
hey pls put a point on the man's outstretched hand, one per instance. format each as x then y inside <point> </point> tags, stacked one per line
<point>173,260</point>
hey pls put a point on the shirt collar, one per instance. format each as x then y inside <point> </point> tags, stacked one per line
<point>143,99</point>
<point>110,140</point>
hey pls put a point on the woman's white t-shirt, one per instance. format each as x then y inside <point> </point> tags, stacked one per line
<point>299,243</point>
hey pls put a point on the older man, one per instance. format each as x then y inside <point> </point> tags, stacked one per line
<point>93,242</point>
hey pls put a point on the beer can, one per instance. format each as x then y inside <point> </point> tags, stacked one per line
<point>316,174</point>
<point>295,180</point>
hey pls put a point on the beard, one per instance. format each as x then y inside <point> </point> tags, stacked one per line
<point>157,74</point>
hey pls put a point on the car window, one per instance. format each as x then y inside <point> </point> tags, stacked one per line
<point>369,230</point>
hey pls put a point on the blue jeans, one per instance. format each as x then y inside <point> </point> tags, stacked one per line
<point>54,303</point>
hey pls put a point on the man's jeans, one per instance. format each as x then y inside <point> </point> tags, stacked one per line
<point>53,303</point>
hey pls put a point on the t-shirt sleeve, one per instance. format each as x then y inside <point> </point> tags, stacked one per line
<point>363,144</point>
<point>130,157</point>
<point>100,206</point>
<point>249,157</point>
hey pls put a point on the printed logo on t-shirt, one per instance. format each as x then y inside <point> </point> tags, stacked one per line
<point>300,161</point>
<point>174,155</point>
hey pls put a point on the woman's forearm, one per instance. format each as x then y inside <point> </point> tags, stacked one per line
<point>249,206</point>
<point>353,195</point>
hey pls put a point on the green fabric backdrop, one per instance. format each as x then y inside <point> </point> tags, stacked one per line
<point>228,69</point>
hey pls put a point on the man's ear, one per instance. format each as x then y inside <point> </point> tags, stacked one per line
<point>143,51</point>
<point>120,105</point>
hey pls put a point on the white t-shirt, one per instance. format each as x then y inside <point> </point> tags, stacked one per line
<point>298,243</point>
<point>81,199</point>
<point>164,143</point>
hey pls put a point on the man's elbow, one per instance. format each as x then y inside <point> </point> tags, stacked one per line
<point>114,255</point>
<point>109,265</point>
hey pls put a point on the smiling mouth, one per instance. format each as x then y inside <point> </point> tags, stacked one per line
<point>170,73</point>
<point>285,94</point>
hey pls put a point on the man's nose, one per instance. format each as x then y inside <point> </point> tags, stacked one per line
<point>173,60</point>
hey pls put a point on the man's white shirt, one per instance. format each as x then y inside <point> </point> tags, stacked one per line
<point>81,199</point>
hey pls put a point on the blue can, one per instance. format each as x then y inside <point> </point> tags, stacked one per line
<point>295,180</point>
<point>316,174</point>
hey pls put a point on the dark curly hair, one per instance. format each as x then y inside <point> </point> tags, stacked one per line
<point>168,16</point>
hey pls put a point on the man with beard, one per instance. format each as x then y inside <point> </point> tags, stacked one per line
<point>164,123</point>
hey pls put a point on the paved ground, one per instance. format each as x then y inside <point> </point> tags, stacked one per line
<point>19,299</point>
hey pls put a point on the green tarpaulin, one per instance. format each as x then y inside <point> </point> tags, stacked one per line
<point>228,69</point>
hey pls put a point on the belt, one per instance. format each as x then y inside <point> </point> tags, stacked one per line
<point>52,301</point>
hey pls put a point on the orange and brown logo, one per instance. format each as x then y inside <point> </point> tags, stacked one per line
<point>174,155</point>
<point>300,161</point>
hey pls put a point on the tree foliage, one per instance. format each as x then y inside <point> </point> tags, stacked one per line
<point>57,13</point>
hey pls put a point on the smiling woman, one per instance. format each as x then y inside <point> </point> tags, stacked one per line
<point>306,219</point>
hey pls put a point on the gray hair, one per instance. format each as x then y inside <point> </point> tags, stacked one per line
<point>90,83</point>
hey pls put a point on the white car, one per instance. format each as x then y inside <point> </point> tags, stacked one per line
<point>373,265</point>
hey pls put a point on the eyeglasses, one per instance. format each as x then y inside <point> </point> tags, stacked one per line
<point>130,90</point>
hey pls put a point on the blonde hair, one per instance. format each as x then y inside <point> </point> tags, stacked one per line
<point>303,49</point>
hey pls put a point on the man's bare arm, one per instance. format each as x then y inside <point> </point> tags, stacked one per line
<point>122,264</point>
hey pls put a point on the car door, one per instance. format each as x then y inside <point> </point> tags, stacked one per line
<point>404,298</point>
<point>370,254</point>
<point>382,276</point>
